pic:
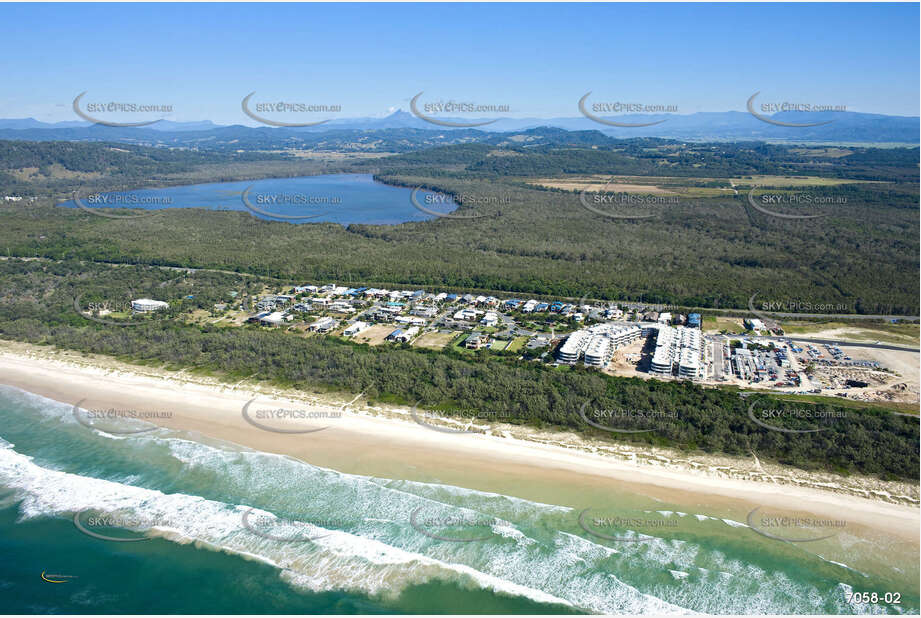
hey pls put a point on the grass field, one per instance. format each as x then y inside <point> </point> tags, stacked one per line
<point>435,341</point>
<point>517,344</point>
<point>795,181</point>
<point>715,324</point>
<point>498,345</point>
<point>671,185</point>
<point>907,334</point>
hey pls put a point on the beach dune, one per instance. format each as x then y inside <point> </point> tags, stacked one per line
<point>339,434</point>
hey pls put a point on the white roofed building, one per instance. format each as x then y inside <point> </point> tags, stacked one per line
<point>143,305</point>
<point>355,328</point>
<point>571,351</point>
<point>598,352</point>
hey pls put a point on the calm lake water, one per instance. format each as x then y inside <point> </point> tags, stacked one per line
<point>336,198</point>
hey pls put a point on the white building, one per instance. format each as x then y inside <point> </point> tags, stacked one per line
<point>599,351</point>
<point>663,358</point>
<point>323,325</point>
<point>406,335</point>
<point>341,307</point>
<point>275,318</point>
<point>425,311</point>
<point>529,306</point>
<point>596,345</point>
<point>678,346</point>
<point>490,319</point>
<point>466,314</point>
<point>619,334</point>
<point>575,345</point>
<point>689,364</point>
<point>144,305</point>
<point>355,328</point>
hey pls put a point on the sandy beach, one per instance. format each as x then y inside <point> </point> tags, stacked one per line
<point>377,442</point>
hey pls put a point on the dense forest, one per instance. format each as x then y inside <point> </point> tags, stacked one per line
<point>36,306</point>
<point>706,252</point>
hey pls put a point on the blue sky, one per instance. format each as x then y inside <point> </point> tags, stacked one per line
<point>538,59</point>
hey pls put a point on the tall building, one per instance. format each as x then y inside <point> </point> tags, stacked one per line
<point>596,345</point>
<point>677,348</point>
<point>575,345</point>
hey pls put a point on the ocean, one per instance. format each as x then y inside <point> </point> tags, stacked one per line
<point>172,522</point>
<point>335,198</point>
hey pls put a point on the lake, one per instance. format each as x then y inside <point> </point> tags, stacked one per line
<point>335,198</point>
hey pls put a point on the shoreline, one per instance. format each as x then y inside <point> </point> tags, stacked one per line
<point>386,442</point>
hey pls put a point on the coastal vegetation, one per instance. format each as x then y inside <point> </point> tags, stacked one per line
<point>37,306</point>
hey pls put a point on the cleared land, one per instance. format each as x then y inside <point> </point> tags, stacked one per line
<point>599,183</point>
<point>435,341</point>
<point>907,334</point>
<point>375,335</point>
<point>713,324</point>
<point>682,186</point>
<point>796,181</point>
<point>517,344</point>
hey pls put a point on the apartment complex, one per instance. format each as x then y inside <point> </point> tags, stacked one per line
<point>596,345</point>
<point>678,352</point>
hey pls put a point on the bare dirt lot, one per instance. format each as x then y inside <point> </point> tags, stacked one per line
<point>375,335</point>
<point>902,384</point>
<point>600,183</point>
<point>624,362</point>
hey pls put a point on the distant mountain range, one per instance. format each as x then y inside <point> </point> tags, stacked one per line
<point>163,125</point>
<point>851,127</point>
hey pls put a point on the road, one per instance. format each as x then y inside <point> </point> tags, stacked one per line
<point>717,356</point>
<point>622,303</point>
<point>844,344</point>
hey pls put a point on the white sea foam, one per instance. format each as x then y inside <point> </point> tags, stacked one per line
<point>338,561</point>
<point>192,519</point>
<point>530,555</point>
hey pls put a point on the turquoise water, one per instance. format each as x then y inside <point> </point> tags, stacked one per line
<point>336,198</point>
<point>229,530</point>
